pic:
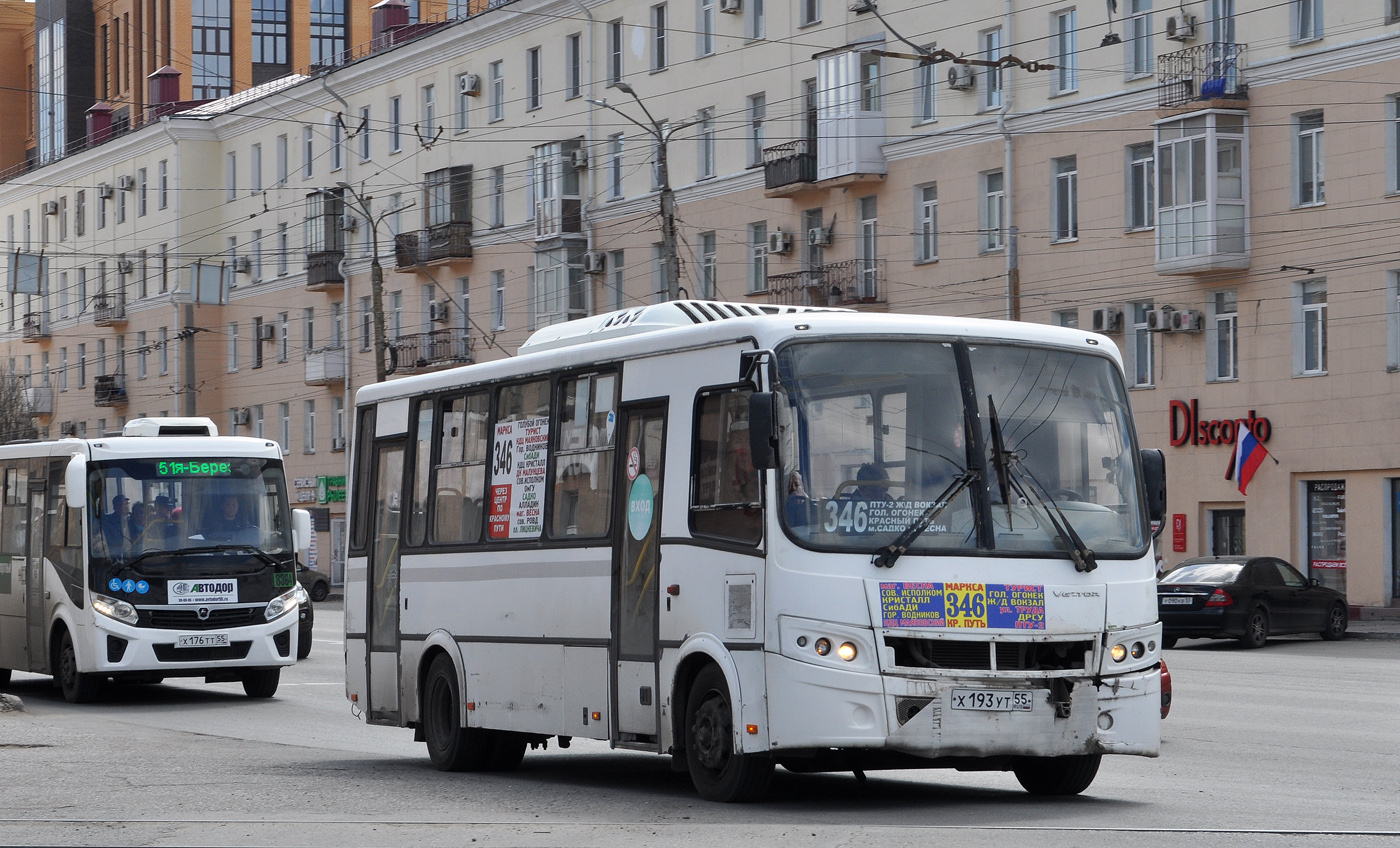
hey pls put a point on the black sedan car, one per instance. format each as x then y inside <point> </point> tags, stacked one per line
<point>1245,598</point>
<point>318,584</point>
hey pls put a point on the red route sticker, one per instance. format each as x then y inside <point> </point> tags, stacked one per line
<point>634,463</point>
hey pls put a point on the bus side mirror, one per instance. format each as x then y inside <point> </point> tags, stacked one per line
<point>763,449</point>
<point>301,530</point>
<point>75,481</point>
<point>1154,482</point>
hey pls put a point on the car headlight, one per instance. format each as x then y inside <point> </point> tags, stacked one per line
<point>115,609</point>
<point>281,605</point>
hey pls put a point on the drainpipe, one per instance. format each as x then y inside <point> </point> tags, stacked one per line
<point>183,319</point>
<point>586,203</point>
<point>1013,268</point>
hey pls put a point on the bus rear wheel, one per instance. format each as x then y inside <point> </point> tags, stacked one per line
<point>1058,775</point>
<point>718,771</point>
<point>451,746</point>
<point>78,687</point>
<point>261,682</point>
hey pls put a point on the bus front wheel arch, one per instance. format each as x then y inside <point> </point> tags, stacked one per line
<point>719,772</point>
<point>78,687</point>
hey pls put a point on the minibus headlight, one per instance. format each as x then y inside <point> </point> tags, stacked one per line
<point>1139,650</point>
<point>847,651</point>
<point>822,646</point>
<point>1118,652</point>
<point>112,608</point>
<point>280,605</point>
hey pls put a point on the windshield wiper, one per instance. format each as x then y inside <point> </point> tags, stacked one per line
<point>207,549</point>
<point>887,556</point>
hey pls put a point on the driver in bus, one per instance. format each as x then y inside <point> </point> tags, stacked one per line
<point>229,522</point>
<point>114,527</point>
<point>164,530</point>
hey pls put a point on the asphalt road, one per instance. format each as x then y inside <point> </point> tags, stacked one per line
<point>1295,744</point>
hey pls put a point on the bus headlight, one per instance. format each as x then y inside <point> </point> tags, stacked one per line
<point>847,651</point>
<point>112,608</point>
<point>1118,652</point>
<point>281,605</point>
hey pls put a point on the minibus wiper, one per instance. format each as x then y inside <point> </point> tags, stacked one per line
<point>887,556</point>
<point>208,549</point>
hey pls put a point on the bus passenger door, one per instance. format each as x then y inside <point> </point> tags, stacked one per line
<point>636,560</point>
<point>34,566</point>
<point>382,591</point>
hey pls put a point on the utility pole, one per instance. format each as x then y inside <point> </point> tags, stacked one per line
<point>376,279</point>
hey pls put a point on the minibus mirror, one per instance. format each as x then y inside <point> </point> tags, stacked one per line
<point>301,530</point>
<point>1154,482</point>
<point>762,442</point>
<point>75,482</point>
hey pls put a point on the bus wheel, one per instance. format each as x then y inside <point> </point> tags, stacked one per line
<point>451,746</point>
<point>4,677</point>
<point>78,688</point>
<point>1058,775</point>
<point>508,750</point>
<point>718,772</point>
<point>261,682</point>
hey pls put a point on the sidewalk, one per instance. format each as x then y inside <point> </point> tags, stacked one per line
<point>1380,623</point>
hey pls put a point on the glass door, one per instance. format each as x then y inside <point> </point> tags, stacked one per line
<point>383,589</point>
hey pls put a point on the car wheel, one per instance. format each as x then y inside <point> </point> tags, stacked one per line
<point>1256,629</point>
<point>451,746</point>
<point>1168,642</point>
<point>1058,775</point>
<point>1336,623</point>
<point>78,688</point>
<point>717,770</point>
<point>261,682</point>
<point>320,590</point>
<point>303,646</point>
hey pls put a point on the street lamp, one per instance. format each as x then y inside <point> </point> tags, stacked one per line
<point>376,274</point>
<point>670,259</point>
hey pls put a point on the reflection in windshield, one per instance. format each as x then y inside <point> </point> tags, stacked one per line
<point>1207,572</point>
<point>875,431</point>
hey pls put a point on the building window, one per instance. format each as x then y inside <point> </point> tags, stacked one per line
<point>1141,185</point>
<point>308,427</point>
<point>337,143</point>
<point>1222,336</point>
<point>1138,348</point>
<point>868,248</point>
<point>658,37</point>
<point>231,176</point>
<point>496,76</point>
<point>533,91</point>
<point>926,223</point>
<point>464,102</point>
<point>498,300</point>
<point>363,132</point>
<point>1310,328</point>
<point>810,12</point>
<point>1066,318</point>
<point>140,199</point>
<point>232,347</point>
<point>308,152</point>
<point>283,162</point>
<point>1138,41</point>
<point>1202,197</point>
<point>705,28</point>
<point>1392,319</point>
<point>615,191</point>
<point>162,191</point>
<point>992,208</point>
<point>573,66</point>
<point>1066,199</point>
<point>270,39</point>
<point>758,111</point>
<point>256,339</point>
<point>925,92</point>
<point>1308,156</point>
<point>427,109</point>
<point>1063,31</point>
<point>284,336</point>
<point>366,324</point>
<point>284,427</point>
<point>707,286</point>
<point>282,249</point>
<point>447,195</point>
<point>758,257</point>
<point>395,124</point>
<point>756,25</point>
<point>211,51</point>
<point>616,265</point>
<point>989,80</point>
<point>329,33</point>
<point>1307,20</point>
<point>254,170</point>
<point>615,48</point>
<point>705,135</point>
<point>498,196</point>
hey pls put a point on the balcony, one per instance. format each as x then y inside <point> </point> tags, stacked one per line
<point>431,351</point>
<point>109,310</point>
<point>452,240</point>
<point>38,400</point>
<point>1205,72</point>
<point>36,326</point>
<point>325,367</point>
<point>850,283</point>
<point>789,168</point>
<point>109,390</point>
<point>323,269</point>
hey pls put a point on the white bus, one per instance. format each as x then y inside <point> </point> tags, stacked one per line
<point>749,536</point>
<point>166,551</point>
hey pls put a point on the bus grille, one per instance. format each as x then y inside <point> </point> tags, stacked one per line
<point>188,619</point>
<point>977,656</point>
<point>169,653</point>
<point>907,708</point>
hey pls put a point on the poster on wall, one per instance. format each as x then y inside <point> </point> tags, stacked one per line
<point>1327,533</point>
<point>519,459</point>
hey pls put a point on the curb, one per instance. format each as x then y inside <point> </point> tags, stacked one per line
<point>1376,636</point>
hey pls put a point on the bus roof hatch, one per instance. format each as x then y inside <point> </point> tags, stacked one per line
<point>657,316</point>
<point>170,427</point>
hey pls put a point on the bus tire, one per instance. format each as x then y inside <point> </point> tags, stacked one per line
<point>508,750</point>
<point>1058,775</point>
<point>78,687</point>
<point>718,772</point>
<point>261,682</point>
<point>451,746</point>
<point>4,677</point>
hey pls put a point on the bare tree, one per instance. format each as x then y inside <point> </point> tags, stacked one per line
<point>15,419</point>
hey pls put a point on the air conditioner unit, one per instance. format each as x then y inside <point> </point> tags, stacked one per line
<point>595,262</point>
<point>349,223</point>
<point>337,443</point>
<point>819,236</point>
<point>243,417</point>
<point>469,84</point>
<point>437,312</point>
<point>731,7</point>
<point>243,265</point>
<point>579,158</point>
<point>68,428</point>
<point>126,183</point>
<point>50,207</point>
<point>1181,27</point>
<point>104,191</point>
<point>267,333</point>
<point>125,266</point>
<point>961,77</point>
<point>1159,320</point>
<point>779,242</point>
<point>1188,321</point>
<point>1108,319</point>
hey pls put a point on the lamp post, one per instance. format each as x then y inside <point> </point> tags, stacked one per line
<point>376,276</point>
<point>670,257</point>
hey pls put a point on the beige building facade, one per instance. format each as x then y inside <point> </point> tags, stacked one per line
<point>1209,183</point>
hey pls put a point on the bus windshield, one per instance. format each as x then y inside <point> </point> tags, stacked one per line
<point>141,507</point>
<point>875,436</point>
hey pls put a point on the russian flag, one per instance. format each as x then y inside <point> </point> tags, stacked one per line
<point>1248,456</point>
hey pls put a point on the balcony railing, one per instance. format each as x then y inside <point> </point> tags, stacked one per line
<point>452,240</point>
<point>848,283</point>
<point>431,351</point>
<point>1212,71</point>
<point>109,390</point>
<point>109,309</point>
<point>323,269</point>
<point>325,367</point>
<point>790,164</point>
<point>36,326</point>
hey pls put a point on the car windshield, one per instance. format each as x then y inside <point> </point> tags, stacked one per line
<point>149,507</point>
<point>1205,572</point>
<point>875,432</point>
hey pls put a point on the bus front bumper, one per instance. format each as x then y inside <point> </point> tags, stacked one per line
<point>122,648</point>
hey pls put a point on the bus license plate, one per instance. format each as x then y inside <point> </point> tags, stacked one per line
<point>202,640</point>
<point>991,700</point>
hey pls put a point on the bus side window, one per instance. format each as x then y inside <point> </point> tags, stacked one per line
<point>459,497</point>
<point>583,464</point>
<point>726,492</point>
<point>14,513</point>
<point>422,466</point>
<point>360,494</point>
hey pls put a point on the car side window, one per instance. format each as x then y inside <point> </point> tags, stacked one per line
<point>1266,573</point>
<point>1289,575</point>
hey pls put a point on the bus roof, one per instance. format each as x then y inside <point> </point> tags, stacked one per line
<point>678,325</point>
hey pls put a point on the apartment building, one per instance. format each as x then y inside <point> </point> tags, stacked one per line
<point>1159,176</point>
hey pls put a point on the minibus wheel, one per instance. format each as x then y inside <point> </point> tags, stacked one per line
<point>717,770</point>
<point>451,746</point>
<point>261,682</point>
<point>1058,775</point>
<point>78,688</point>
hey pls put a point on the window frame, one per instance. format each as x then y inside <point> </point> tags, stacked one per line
<point>1222,331</point>
<point>1140,191</point>
<point>693,504</point>
<point>1064,200</point>
<point>1309,140</point>
<point>925,223</point>
<point>1064,44</point>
